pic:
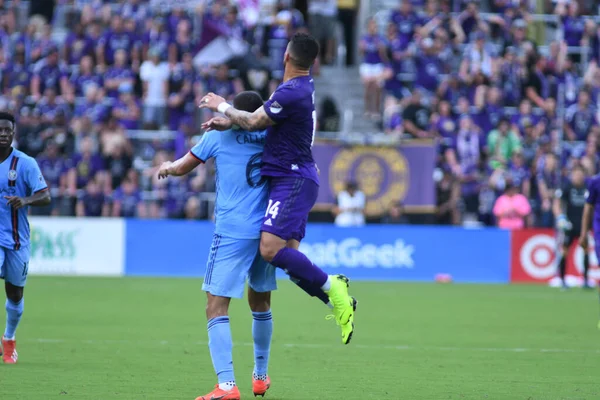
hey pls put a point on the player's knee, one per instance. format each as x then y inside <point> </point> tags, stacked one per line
<point>268,249</point>
<point>216,306</point>
<point>14,293</point>
<point>259,301</point>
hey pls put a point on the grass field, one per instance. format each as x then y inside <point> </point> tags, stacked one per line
<point>131,338</point>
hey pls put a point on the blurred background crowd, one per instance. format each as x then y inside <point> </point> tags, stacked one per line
<point>104,90</point>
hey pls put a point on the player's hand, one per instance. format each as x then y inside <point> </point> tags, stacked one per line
<point>211,101</point>
<point>583,242</point>
<point>15,202</point>
<point>163,171</point>
<point>217,124</point>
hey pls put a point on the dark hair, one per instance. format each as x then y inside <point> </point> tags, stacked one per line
<point>4,115</point>
<point>303,50</point>
<point>248,101</point>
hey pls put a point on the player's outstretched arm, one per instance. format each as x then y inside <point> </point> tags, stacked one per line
<point>39,199</point>
<point>255,121</point>
<point>180,167</point>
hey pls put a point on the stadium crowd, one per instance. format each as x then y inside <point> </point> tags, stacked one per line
<point>509,106</point>
<point>497,99</point>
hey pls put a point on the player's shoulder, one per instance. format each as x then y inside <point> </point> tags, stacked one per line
<point>23,157</point>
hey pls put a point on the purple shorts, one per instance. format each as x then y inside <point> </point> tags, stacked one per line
<point>290,201</point>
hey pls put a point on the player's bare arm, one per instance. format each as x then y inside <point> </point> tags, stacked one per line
<point>180,167</point>
<point>39,199</point>
<point>586,220</point>
<point>255,121</point>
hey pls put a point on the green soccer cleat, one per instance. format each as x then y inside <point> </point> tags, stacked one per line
<point>343,305</point>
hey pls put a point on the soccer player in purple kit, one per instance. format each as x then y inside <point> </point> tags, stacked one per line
<point>290,117</point>
<point>592,207</point>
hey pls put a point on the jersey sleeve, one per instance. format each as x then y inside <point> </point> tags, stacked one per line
<point>279,107</point>
<point>591,196</point>
<point>33,177</point>
<point>208,146</point>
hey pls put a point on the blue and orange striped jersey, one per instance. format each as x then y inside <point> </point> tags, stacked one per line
<point>20,176</point>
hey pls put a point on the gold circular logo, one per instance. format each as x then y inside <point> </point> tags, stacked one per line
<point>381,174</point>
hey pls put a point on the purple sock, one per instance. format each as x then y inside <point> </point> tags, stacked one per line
<point>299,266</point>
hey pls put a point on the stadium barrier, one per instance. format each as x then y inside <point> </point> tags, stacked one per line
<point>113,247</point>
<point>117,247</point>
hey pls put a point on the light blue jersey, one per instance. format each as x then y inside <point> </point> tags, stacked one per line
<point>20,176</point>
<point>241,191</point>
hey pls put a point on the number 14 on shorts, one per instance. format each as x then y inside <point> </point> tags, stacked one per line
<point>272,211</point>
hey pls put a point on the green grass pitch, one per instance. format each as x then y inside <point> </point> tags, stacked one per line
<point>134,338</point>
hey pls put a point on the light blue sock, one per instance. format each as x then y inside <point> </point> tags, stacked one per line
<point>262,331</point>
<point>221,346</point>
<point>14,311</point>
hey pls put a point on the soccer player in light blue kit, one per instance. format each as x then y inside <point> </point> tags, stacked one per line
<point>21,185</point>
<point>234,254</point>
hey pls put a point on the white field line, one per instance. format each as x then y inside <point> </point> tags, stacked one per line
<point>327,346</point>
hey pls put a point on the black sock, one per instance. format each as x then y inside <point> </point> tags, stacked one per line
<point>562,267</point>
<point>311,289</point>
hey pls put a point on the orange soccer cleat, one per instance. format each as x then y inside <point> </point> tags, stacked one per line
<point>10,351</point>
<point>220,394</point>
<point>260,387</point>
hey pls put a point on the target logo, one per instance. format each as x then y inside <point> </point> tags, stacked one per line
<point>533,257</point>
<point>537,257</point>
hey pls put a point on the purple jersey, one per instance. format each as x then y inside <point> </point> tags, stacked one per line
<point>593,198</point>
<point>52,169</point>
<point>573,30</point>
<point>372,44</point>
<point>86,168</point>
<point>126,122</point>
<point>129,202</point>
<point>446,126</point>
<point>117,73</point>
<point>79,82</point>
<point>429,68</point>
<point>159,41</point>
<point>406,23</point>
<point>16,75</point>
<point>523,121</point>
<point>580,121</point>
<point>79,46</point>
<point>49,75</point>
<point>113,41</point>
<point>96,112</point>
<point>488,117</point>
<point>222,88</point>
<point>92,204</point>
<point>289,142</point>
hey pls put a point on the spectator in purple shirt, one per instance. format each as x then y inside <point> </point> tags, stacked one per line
<point>429,67</point>
<point>127,201</point>
<point>42,43</point>
<point>181,91</point>
<point>49,73</point>
<point>85,76</point>
<point>223,85</point>
<point>17,74</point>
<point>524,117</point>
<point>112,41</point>
<point>400,61</point>
<point>157,38</point>
<point>85,166</point>
<point>50,106</point>
<point>78,45</point>
<point>406,20</point>
<point>136,10</point>
<point>182,42</point>
<point>127,109</point>
<point>92,107</point>
<point>92,202</point>
<point>572,22</point>
<point>488,108</point>
<point>444,122</point>
<point>117,74</point>
<point>580,118</point>
<point>54,169</point>
<point>372,48</point>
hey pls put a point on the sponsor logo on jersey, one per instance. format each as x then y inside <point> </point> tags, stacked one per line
<point>275,107</point>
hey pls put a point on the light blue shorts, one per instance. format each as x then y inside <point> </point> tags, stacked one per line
<point>232,261</point>
<point>14,265</point>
